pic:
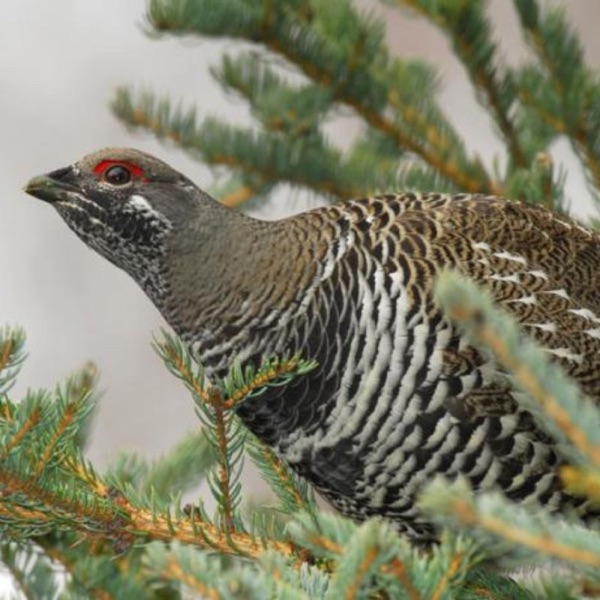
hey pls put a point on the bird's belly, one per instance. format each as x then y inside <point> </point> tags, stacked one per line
<point>368,427</point>
<point>369,436</point>
<point>378,418</point>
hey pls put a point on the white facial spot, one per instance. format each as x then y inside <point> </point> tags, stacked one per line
<point>140,202</point>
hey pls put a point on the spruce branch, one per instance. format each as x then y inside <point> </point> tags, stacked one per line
<point>62,493</point>
<point>12,341</point>
<point>262,158</point>
<point>222,429</point>
<point>203,534</point>
<point>71,408</point>
<point>329,538</point>
<point>358,72</point>
<point>568,83</point>
<point>90,568</point>
<point>538,183</point>
<point>364,556</point>
<point>180,364</point>
<point>372,163</point>
<point>293,493</point>
<point>296,110</point>
<point>16,437</point>
<point>500,524</point>
<point>469,31</point>
<point>537,93</point>
<point>346,64</point>
<point>227,479</point>
<point>34,504</point>
<point>373,552</point>
<point>174,571</point>
<point>247,383</point>
<point>182,468</point>
<point>115,517</point>
<point>226,434</point>
<point>207,576</point>
<point>40,448</point>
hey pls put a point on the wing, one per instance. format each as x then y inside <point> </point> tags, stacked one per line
<point>539,266</point>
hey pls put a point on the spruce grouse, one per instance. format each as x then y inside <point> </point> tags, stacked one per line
<point>398,395</point>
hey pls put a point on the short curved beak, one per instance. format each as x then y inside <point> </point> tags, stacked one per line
<point>49,189</point>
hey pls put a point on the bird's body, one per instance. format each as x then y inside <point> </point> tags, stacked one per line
<point>398,396</point>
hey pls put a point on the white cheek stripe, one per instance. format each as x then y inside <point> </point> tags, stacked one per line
<point>140,202</point>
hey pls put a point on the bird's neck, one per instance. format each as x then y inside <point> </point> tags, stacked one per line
<point>213,273</point>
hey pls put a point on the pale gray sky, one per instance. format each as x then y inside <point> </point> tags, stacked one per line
<point>59,64</point>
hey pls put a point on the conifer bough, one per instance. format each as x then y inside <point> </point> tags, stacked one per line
<point>399,394</point>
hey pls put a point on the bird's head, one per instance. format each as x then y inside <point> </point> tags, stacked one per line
<point>122,203</point>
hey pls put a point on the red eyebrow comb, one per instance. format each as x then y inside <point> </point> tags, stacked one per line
<point>103,165</point>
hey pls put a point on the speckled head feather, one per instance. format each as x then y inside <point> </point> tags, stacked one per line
<point>126,204</point>
<point>399,395</point>
<point>164,190</point>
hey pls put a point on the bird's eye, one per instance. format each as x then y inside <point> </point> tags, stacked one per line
<point>117,175</point>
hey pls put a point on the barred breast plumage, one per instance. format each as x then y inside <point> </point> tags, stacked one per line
<point>398,395</point>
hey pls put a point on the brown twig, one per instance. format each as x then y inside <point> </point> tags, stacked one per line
<point>185,373</point>
<point>455,564</point>
<point>353,588</point>
<point>66,420</point>
<point>395,567</point>
<point>582,482</point>
<point>282,473</point>
<point>29,487</point>
<point>223,424</point>
<point>117,518</point>
<point>6,353</point>
<point>262,379</point>
<point>202,535</point>
<point>32,420</point>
